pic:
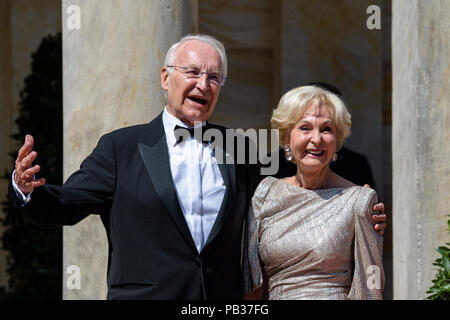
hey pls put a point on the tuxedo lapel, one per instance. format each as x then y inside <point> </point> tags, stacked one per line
<point>155,156</point>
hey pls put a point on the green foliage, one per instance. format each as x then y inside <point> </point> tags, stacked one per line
<point>441,288</point>
<point>34,263</point>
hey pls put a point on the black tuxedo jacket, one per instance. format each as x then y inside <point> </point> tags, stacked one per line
<point>127,181</point>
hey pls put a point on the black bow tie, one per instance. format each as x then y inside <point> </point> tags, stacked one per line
<point>181,132</point>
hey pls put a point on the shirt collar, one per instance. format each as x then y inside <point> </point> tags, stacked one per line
<point>169,123</point>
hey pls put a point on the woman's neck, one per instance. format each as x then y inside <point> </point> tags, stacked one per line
<point>312,180</point>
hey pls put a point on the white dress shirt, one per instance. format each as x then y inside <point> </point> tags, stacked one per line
<point>197,179</point>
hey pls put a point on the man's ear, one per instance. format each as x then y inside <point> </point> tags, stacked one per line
<point>164,78</point>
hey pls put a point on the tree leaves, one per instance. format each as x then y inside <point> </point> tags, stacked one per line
<point>34,264</point>
<point>441,284</point>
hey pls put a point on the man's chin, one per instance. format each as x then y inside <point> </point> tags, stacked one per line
<point>199,116</point>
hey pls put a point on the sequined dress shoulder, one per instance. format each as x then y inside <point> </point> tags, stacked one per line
<point>312,244</point>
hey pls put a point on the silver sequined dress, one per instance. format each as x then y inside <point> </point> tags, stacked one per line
<point>313,244</point>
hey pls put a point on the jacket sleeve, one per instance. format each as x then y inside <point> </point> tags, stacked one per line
<point>368,273</point>
<point>88,190</point>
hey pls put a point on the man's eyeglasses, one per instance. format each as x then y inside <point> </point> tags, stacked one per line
<point>191,73</point>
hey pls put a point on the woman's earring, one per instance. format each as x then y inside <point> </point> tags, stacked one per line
<point>288,152</point>
<point>335,157</point>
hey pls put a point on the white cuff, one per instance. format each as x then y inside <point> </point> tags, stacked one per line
<point>25,199</point>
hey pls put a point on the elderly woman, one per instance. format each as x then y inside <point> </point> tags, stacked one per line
<point>310,236</point>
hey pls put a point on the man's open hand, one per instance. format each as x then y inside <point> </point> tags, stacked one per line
<point>379,218</point>
<point>24,175</point>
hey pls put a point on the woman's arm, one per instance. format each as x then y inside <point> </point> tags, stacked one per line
<point>368,273</point>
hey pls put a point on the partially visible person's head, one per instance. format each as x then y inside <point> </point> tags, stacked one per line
<point>193,73</point>
<point>315,117</point>
<point>327,86</point>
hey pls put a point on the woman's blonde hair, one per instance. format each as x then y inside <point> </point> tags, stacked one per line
<point>294,103</point>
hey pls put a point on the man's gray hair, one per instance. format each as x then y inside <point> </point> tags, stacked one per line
<point>216,44</point>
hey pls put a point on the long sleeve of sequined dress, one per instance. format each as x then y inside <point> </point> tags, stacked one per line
<point>368,273</point>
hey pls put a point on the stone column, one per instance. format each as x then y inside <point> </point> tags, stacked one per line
<point>421,136</point>
<point>113,51</point>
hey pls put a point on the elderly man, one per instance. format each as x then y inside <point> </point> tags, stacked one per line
<point>174,225</point>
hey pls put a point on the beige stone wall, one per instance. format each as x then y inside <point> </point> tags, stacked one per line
<point>329,41</point>
<point>421,136</point>
<point>111,79</point>
<point>23,24</point>
<point>247,30</point>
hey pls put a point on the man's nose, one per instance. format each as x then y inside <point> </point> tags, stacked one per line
<point>203,82</point>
